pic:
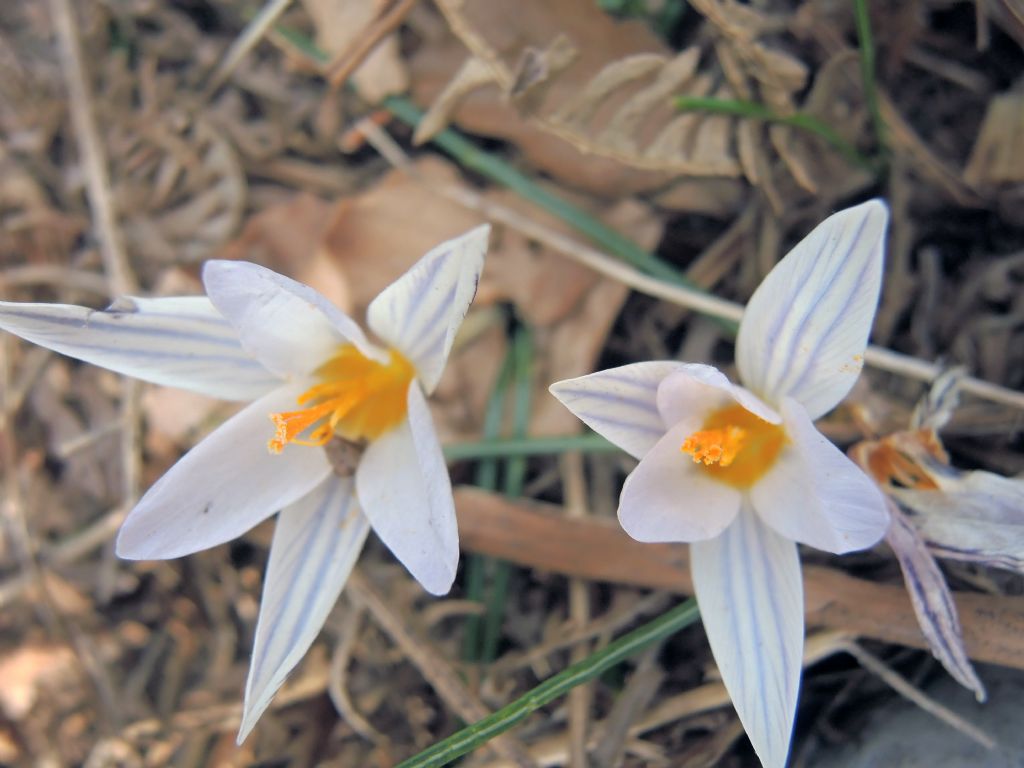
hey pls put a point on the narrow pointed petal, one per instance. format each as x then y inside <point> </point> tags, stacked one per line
<point>933,602</point>
<point>751,603</point>
<point>805,330</point>
<point>668,498</point>
<point>620,404</point>
<point>316,542</point>
<point>695,390</point>
<point>815,495</point>
<point>287,326</point>
<point>179,342</point>
<point>403,488</point>
<point>420,312</point>
<point>222,487</point>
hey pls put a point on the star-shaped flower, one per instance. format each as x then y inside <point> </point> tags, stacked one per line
<point>311,375</point>
<point>742,474</point>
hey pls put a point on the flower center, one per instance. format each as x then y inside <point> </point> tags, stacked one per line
<point>735,446</point>
<point>357,398</point>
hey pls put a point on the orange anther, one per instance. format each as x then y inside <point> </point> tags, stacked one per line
<point>735,446</point>
<point>715,446</point>
<point>357,398</point>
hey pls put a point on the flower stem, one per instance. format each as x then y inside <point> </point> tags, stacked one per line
<point>480,732</point>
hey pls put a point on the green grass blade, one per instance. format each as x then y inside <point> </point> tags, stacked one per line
<point>867,70</point>
<point>751,110</point>
<point>515,476</point>
<point>482,731</point>
<point>528,446</point>
<point>486,478</point>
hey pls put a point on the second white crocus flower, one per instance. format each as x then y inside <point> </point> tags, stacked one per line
<point>742,474</point>
<point>308,367</point>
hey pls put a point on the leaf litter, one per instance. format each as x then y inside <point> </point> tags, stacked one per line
<point>577,98</point>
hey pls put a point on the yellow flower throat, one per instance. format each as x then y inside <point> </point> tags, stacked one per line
<point>356,398</point>
<point>735,447</point>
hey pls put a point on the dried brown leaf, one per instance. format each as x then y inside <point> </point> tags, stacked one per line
<point>536,70</point>
<point>578,110</point>
<point>498,35</point>
<point>998,153</point>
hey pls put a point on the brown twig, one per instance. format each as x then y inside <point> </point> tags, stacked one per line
<point>91,152</point>
<point>120,277</point>
<point>251,35</point>
<point>539,536</point>
<point>905,689</point>
<point>368,38</point>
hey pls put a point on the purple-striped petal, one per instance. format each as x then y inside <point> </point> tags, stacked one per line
<point>620,404</point>
<point>178,342</point>
<point>806,327</point>
<point>932,601</point>
<point>316,543</point>
<point>975,517</point>
<point>420,312</point>
<point>751,602</point>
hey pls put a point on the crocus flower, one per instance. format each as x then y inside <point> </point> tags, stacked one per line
<point>311,374</point>
<point>742,474</point>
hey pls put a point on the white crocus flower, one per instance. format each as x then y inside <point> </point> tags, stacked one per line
<point>741,472</point>
<point>310,369</point>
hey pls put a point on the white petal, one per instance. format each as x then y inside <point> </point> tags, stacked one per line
<point>805,330</point>
<point>316,542</point>
<point>286,325</point>
<point>750,595</point>
<point>973,516</point>
<point>420,312</point>
<point>223,487</point>
<point>620,403</point>
<point>695,390</point>
<point>403,487</point>
<point>815,495</point>
<point>933,602</point>
<point>668,498</point>
<point>179,342</point>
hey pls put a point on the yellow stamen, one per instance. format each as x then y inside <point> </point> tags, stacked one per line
<point>735,446</point>
<point>357,398</point>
